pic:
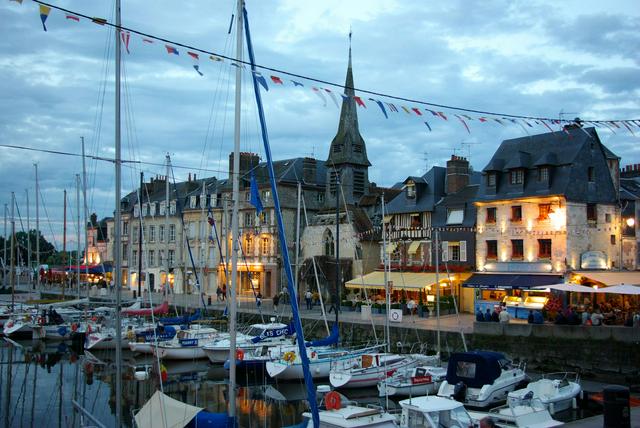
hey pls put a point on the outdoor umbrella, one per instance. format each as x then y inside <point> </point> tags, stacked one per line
<point>621,289</point>
<point>576,288</point>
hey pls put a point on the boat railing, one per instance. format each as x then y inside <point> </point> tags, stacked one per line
<point>563,377</point>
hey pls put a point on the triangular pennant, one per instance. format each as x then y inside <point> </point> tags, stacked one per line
<point>99,21</point>
<point>381,107</point>
<point>215,58</point>
<point>125,36</point>
<point>171,50</point>
<point>73,17</point>
<point>406,110</point>
<point>295,83</point>
<point>333,97</point>
<point>629,128</point>
<point>276,79</point>
<point>441,114</point>
<point>359,101</point>
<point>321,95</point>
<point>261,80</point>
<point>392,107</point>
<point>428,126</point>
<point>463,122</point>
<point>44,14</point>
<point>418,112</point>
<point>545,124</point>
<point>196,67</point>
<point>482,119</point>
<point>145,40</point>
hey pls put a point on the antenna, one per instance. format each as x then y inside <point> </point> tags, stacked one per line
<point>468,145</point>
<point>563,113</point>
<point>425,158</point>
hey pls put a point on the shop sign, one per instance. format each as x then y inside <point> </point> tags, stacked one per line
<point>593,260</point>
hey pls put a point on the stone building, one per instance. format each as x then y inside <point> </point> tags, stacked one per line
<point>629,197</point>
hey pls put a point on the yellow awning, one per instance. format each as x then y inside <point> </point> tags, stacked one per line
<point>612,278</point>
<point>391,246</point>
<point>413,247</point>
<point>387,218</point>
<point>401,280</point>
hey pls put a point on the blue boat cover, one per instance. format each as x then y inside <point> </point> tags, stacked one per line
<point>186,319</point>
<point>165,334</point>
<point>208,419</point>
<point>475,368</point>
<point>329,340</point>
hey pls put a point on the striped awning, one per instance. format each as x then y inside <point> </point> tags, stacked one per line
<point>401,280</point>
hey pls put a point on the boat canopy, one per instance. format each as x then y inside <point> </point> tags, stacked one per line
<point>157,310</point>
<point>162,410</point>
<point>185,319</point>
<point>329,340</point>
<point>475,368</point>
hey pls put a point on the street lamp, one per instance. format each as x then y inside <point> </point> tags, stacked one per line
<point>630,222</point>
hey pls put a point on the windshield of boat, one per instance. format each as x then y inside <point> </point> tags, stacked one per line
<point>466,369</point>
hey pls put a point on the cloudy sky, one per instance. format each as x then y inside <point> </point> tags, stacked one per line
<point>533,58</point>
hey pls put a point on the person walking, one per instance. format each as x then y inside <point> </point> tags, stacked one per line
<point>276,301</point>
<point>307,298</point>
<point>258,299</point>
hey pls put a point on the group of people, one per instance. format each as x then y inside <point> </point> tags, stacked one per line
<point>499,314</point>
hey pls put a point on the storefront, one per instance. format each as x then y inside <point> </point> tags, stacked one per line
<point>514,290</point>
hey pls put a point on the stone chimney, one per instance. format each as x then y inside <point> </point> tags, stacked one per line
<point>309,170</point>
<point>457,174</point>
<point>247,161</point>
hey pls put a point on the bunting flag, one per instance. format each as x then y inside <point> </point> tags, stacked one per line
<point>392,107</point>
<point>99,21</point>
<point>628,127</point>
<point>498,120</point>
<point>381,107</point>
<point>428,126</point>
<point>261,80</point>
<point>196,62</point>
<point>441,114</point>
<point>406,110</point>
<point>359,101</point>
<point>17,1</point>
<point>44,14</point>
<point>171,50</point>
<point>125,36</point>
<point>482,119</point>
<point>418,112</point>
<point>145,40</point>
<point>545,124</point>
<point>320,95</point>
<point>215,58</point>
<point>435,113</point>
<point>255,195</point>
<point>333,97</point>
<point>463,122</point>
<point>276,80</point>
<point>73,17</point>
<point>295,83</point>
<point>345,97</point>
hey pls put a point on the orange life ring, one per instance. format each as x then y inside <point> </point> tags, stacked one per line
<point>314,354</point>
<point>332,401</point>
<point>239,354</point>
<point>289,356</point>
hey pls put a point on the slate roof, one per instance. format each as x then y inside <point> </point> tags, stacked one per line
<point>463,199</point>
<point>429,190</point>
<point>569,155</point>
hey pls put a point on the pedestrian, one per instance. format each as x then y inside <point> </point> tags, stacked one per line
<point>307,298</point>
<point>479,315</point>
<point>487,315</point>
<point>504,316</point>
<point>495,315</point>
<point>596,318</point>
<point>276,300</point>
<point>258,299</point>
<point>530,317</point>
<point>487,422</point>
<point>224,292</point>
<point>218,293</point>
<point>636,319</point>
<point>585,317</point>
<point>538,318</point>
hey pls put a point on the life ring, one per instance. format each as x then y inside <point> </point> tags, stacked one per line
<point>332,401</point>
<point>40,321</point>
<point>314,354</point>
<point>131,335</point>
<point>289,356</point>
<point>239,354</point>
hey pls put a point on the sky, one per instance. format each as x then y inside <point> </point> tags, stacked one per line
<point>536,58</point>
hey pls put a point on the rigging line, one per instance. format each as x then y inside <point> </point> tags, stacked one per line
<point>306,77</point>
<point>249,274</point>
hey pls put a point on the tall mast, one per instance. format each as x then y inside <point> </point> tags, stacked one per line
<point>298,238</point>
<point>4,259</point>
<point>78,233</point>
<point>29,241</point>
<point>166,227</point>
<point>385,266</point>
<point>84,200</point>
<point>337,296</point>
<point>140,234</point>
<point>202,255</point>
<point>37,225</point>
<point>234,215</point>
<point>13,246</point>
<point>117,220</point>
<point>437,248</point>
<point>64,241</point>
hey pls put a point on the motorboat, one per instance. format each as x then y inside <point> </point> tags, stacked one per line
<point>187,344</point>
<point>555,391</point>
<point>368,369</point>
<point>525,414</point>
<point>431,411</point>
<point>257,336</point>
<point>481,379</point>
<point>413,381</point>
<point>105,337</point>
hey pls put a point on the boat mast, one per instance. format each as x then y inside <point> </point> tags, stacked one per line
<point>37,226</point>
<point>26,191</point>
<point>202,253</point>
<point>166,227</point>
<point>84,199</point>
<point>385,268</point>
<point>234,215</point>
<point>337,295</point>
<point>64,242</point>
<point>140,234</point>
<point>13,246</point>
<point>300,293</point>
<point>4,259</point>
<point>437,248</point>
<point>117,220</point>
<point>78,233</point>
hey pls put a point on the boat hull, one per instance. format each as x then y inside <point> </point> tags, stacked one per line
<point>179,353</point>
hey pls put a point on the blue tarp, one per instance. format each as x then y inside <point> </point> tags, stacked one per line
<point>329,340</point>
<point>208,419</point>
<point>475,368</point>
<point>186,319</point>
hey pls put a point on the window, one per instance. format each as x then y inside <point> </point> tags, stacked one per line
<point>264,217</point>
<point>172,257</point>
<point>454,251</point>
<point>192,201</point>
<point>172,233</point>
<point>320,197</point>
<point>613,239</point>
<point>134,231</point>
<point>125,250</point>
<point>213,201</point>
<point>144,233</point>
<point>492,250</point>
<point>265,246</point>
<point>125,228</point>
<point>607,218</point>
<point>161,259</point>
<point>543,211</point>
<point>134,257</point>
<point>516,176</point>
<point>145,209</point>
<point>266,195</point>
<point>358,183</point>
<point>161,233</point>
<point>592,213</point>
<point>455,216</point>
<point>411,190</point>
<point>152,233</point>
<point>544,248</point>
<point>491,215</point>
<point>591,174</point>
<point>543,173</point>
<point>163,206</point>
<point>516,213</point>
<point>416,221</point>
<point>247,196</point>
<point>491,179</point>
<point>172,208</point>
<point>152,258</point>
<point>517,249</point>
<point>329,248</point>
<point>248,219</point>
<point>248,245</point>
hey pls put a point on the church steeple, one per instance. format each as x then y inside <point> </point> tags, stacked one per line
<point>348,152</point>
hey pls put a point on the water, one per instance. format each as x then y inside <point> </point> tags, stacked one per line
<point>39,379</point>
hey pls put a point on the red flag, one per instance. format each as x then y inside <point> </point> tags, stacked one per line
<point>482,119</point>
<point>171,50</point>
<point>417,111</point>
<point>359,101</point>
<point>276,79</point>
<point>126,36</point>
<point>545,124</point>
<point>73,17</point>
<point>147,40</point>
<point>193,55</point>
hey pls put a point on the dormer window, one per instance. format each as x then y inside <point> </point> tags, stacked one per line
<point>491,179</point>
<point>543,173</point>
<point>411,190</point>
<point>516,176</point>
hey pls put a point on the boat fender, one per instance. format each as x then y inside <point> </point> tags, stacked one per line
<point>10,324</point>
<point>239,354</point>
<point>74,327</point>
<point>40,321</point>
<point>314,354</point>
<point>332,401</point>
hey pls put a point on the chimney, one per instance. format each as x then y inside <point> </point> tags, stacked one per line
<point>309,170</point>
<point>457,174</point>
<point>189,177</point>
<point>194,177</point>
<point>247,162</point>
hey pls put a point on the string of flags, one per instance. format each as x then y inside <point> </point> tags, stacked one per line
<point>386,107</point>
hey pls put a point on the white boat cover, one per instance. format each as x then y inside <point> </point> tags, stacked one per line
<point>166,412</point>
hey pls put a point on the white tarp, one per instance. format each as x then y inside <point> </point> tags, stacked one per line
<point>162,411</point>
<point>576,288</point>
<point>621,289</point>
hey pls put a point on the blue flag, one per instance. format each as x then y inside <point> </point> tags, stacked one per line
<point>255,195</point>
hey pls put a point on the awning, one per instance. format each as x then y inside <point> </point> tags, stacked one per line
<point>387,218</point>
<point>510,281</point>
<point>611,277</point>
<point>401,280</point>
<point>413,247</point>
<point>575,288</point>
<point>391,246</point>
